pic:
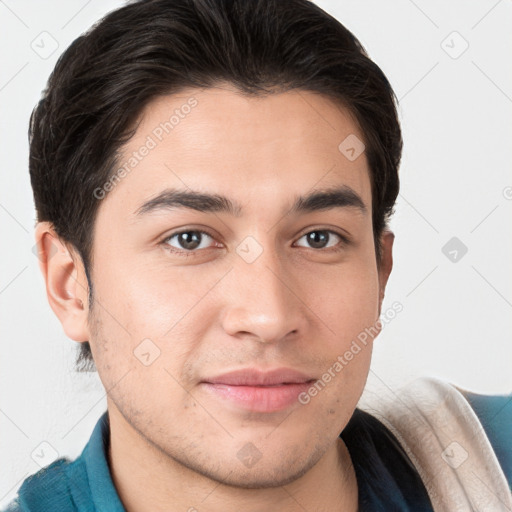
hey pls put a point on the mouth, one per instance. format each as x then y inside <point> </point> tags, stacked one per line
<point>259,391</point>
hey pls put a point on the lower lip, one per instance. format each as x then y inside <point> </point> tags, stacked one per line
<point>259,398</point>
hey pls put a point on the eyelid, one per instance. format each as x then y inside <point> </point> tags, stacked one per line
<point>337,231</point>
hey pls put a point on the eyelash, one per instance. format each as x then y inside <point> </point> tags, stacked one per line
<point>184,253</point>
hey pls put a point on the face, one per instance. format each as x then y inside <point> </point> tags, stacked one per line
<point>186,294</point>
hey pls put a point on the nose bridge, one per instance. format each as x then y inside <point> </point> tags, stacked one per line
<point>262,301</point>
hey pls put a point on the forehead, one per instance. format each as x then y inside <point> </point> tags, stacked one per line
<point>217,140</point>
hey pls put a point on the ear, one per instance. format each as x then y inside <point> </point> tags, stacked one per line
<point>66,282</point>
<point>386,263</point>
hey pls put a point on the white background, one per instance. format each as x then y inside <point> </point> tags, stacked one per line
<point>455,182</point>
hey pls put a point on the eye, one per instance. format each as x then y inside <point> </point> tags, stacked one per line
<point>188,241</point>
<point>320,238</point>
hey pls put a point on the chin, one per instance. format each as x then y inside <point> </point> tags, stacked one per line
<point>263,477</point>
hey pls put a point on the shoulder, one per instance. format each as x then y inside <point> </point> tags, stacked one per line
<point>64,485</point>
<point>427,414</point>
<point>495,415</point>
<point>51,488</point>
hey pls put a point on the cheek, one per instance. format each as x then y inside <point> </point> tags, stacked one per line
<point>140,343</point>
<point>145,300</point>
<point>151,311</point>
<point>346,301</point>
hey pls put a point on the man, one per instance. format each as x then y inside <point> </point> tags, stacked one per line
<point>213,182</point>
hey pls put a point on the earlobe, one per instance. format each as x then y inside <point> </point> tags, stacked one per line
<point>386,264</point>
<point>66,283</point>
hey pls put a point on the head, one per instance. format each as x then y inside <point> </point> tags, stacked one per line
<point>273,115</point>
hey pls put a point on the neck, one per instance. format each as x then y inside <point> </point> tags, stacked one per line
<point>148,480</point>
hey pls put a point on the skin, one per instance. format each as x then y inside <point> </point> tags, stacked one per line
<point>174,446</point>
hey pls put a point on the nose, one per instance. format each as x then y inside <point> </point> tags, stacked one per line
<point>264,301</point>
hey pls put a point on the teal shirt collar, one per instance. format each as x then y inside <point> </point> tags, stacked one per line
<point>95,455</point>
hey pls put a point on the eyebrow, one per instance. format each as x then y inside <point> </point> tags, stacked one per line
<point>317,200</point>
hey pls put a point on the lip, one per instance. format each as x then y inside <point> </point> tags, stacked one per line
<point>259,391</point>
<point>255,377</point>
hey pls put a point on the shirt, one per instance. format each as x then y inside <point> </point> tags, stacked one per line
<point>386,478</point>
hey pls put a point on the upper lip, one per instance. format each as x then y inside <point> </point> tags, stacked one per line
<point>255,377</point>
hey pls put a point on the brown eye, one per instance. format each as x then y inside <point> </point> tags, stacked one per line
<point>321,238</point>
<point>188,241</point>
